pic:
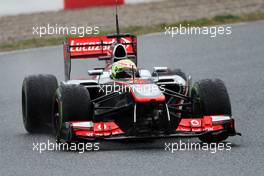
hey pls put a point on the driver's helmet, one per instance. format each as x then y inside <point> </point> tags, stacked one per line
<point>123,69</point>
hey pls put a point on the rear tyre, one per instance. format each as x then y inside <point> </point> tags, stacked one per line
<point>211,99</point>
<point>71,103</point>
<point>37,95</point>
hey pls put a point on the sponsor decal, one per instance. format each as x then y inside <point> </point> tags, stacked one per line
<point>195,123</point>
<point>93,44</point>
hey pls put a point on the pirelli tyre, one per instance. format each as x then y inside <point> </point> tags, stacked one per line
<point>71,103</point>
<point>211,98</point>
<point>37,96</point>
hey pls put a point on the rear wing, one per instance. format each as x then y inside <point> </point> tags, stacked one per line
<point>95,47</point>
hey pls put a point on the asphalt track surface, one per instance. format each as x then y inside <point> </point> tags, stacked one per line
<point>237,59</point>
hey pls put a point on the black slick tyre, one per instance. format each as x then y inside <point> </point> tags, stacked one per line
<point>37,96</point>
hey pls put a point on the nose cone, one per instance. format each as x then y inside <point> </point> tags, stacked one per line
<point>146,93</point>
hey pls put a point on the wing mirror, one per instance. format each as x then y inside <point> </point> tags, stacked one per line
<point>160,69</point>
<point>95,72</point>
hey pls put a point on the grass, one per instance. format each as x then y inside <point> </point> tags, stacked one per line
<point>139,30</point>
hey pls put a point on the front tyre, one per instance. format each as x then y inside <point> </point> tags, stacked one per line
<point>37,95</point>
<point>211,98</point>
<point>71,103</point>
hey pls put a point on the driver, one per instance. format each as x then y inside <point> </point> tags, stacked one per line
<point>123,69</point>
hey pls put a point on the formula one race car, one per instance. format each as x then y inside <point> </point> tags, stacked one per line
<point>140,105</point>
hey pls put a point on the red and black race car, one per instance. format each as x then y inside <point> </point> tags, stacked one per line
<point>159,104</point>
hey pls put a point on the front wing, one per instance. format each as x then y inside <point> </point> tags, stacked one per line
<point>188,127</point>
